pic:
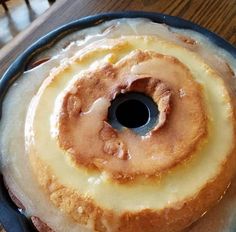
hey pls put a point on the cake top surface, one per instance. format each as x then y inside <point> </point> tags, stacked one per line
<point>61,140</point>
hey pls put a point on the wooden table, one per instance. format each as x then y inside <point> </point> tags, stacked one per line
<point>217,15</point>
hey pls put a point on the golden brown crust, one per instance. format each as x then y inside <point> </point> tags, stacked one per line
<point>158,91</point>
<point>170,219</point>
<point>37,222</point>
<point>186,39</point>
<point>180,216</point>
<point>38,62</point>
<point>13,197</point>
<point>180,100</point>
<point>40,225</point>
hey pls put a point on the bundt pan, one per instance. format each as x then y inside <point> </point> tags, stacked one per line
<point>13,218</point>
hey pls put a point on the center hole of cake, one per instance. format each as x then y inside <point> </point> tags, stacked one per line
<point>133,110</point>
<point>132,113</point>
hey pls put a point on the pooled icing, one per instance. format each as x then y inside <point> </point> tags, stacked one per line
<point>95,184</point>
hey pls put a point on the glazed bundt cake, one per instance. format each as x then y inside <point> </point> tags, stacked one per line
<point>73,169</point>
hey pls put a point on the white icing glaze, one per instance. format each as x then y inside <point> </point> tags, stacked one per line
<point>15,165</point>
<point>216,148</point>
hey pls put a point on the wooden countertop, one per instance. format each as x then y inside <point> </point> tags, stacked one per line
<point>218,16</point>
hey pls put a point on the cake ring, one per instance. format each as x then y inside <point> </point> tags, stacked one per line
<point>99,177</point>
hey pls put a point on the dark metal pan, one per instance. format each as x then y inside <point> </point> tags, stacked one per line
<point>10,216</point>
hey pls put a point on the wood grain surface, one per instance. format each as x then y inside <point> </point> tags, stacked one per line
<point>218,16</point>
